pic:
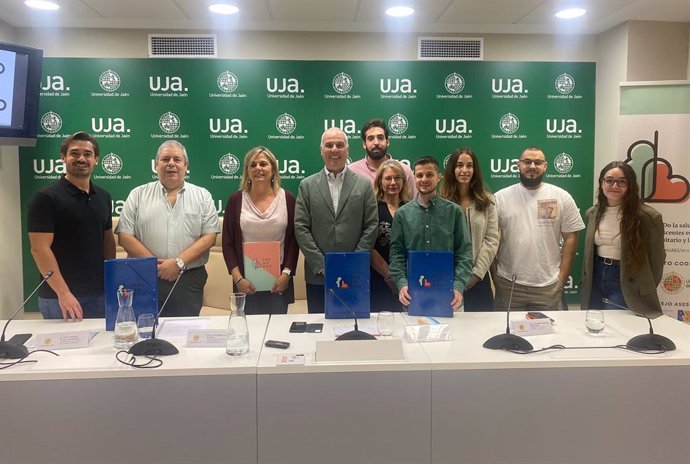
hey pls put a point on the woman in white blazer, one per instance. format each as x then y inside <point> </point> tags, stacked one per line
<point>463,184</point>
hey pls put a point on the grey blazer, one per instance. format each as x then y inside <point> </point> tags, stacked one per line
<point>639,287</point>
<point>319,229</point>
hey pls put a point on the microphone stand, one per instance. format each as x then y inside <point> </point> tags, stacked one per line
<point>156,346</point>
<point>11,350</point>
<point>646,342</point>
<point>353,334</point>
<point>508,341</point>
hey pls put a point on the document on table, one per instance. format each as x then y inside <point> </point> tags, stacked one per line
<point>177,328</point>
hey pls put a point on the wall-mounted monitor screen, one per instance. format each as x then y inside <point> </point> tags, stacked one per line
<point>20,86</point>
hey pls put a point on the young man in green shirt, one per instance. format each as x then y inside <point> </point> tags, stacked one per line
<point>430,223</point>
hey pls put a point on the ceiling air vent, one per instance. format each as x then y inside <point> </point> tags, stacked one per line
<point>182,46</point>
<point>445,48</point>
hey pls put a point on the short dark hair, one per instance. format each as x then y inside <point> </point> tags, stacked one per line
<point>376,122</point>
<point>532,148</point>
<point>80,136</point>
<point>427,160</point>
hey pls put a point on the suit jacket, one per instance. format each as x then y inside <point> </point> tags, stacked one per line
<point>639,286</point>
<point>483,227</point>
<point>320,229</point>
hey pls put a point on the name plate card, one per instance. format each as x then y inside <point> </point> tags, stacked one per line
<point>526,327</point>
<point>64,340</point>
<point>206,338</point>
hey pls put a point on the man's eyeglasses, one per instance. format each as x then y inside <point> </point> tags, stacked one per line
<point>622,182</point>
<point>528,162</point>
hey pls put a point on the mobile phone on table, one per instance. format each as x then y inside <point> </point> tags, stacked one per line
<point>538,315</point>
<point>277,344</point>
<point>315,327</point>
<point>298,327</point>
<point>20,339</point>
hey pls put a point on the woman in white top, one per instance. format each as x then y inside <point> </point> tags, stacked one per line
<point>261,212</point>
<point>624,246</point>
<point>463,184</point>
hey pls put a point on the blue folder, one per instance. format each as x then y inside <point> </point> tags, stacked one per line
<point>347,276</point>
<point>430,283</point>
<point>138,274</point>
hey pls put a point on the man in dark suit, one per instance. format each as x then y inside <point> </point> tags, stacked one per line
<point>335,211</point>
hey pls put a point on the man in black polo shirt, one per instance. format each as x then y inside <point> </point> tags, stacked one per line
<point>71,233</point>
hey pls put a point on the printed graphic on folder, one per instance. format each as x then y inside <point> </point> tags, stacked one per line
<point>262,264</point>
<point>430,283</point>
<point>138,274</point>
<point>347,274</point>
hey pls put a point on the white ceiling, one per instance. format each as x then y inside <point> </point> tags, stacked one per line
<point>432,16</point>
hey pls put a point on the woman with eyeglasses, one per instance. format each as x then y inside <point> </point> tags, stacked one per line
<point>624,247</point>
<point>463,184</point>
<point>390,188</point>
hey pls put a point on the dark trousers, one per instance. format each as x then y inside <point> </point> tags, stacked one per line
<point>606,283</point>
<point>480,297</point>
<point>315,298</point>
<point>187,298</point>
<point>266,303</point>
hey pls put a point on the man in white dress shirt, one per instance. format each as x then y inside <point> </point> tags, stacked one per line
<point>175,221</point>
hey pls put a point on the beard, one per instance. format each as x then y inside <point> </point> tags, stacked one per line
<point>376,155</point>
<point>531,182</point>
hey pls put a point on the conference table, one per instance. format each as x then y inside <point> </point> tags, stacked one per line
<point>442,402</point>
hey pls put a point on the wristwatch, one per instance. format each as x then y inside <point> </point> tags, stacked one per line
<point>180,264</point>
<point>287,272</point>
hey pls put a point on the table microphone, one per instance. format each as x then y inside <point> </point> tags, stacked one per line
<point>508,341</point>
<point>353,334</point>
<point>11,350</point>
<point>156,346</point>
<point>646,342</point>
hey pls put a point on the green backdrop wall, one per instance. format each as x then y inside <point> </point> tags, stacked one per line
<point>219,109</point>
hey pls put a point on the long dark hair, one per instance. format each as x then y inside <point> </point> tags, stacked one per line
<point>450,190</point>
<point>630,211</point>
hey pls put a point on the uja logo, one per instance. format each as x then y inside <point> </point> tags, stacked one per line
<point>563,163</point>
<point>507,86</point>
<point>286,123</point>
<point>658,183</point>
<point>51,122</point>
<point>398,124</point>
<point>229,164</point>
<point>349,126</point>
<point>503,165</point>
<point>452,126</point>
<point>111,163</point>
<point>673,283</point>
<point>454,83</point>
<point>108,125</point>
<point>342,83</point>
<point>54,83</point>
<point>509,123</point>
<point>166,84</point>
<point>227,82</point>
<point>226,126</point>
<point>283,85</point>
<point>396,86</point>
<point>51,166</point>
<point>562,126</point>
<point>565,83</point>
<point>169,123</point>
<point>109,80</point>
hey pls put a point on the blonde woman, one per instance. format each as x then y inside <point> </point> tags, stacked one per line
<point>390,188</point>
<point>261,211</point>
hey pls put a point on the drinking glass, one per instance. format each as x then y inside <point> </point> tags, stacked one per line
<point>386,323</point>
<point>238,332</point>
<point>145,325</point>
<point>595,322</point>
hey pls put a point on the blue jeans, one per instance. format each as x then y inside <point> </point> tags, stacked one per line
<point>93,307</point>
<point>606,283</point>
